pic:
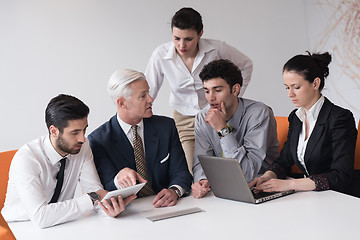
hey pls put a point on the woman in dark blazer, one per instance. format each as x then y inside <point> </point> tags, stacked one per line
<point>321,138</point>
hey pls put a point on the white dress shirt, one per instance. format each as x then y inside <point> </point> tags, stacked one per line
<point>187,94</point>
<point>32,181</point>
<point>129,133</point>
<point>312,116</point>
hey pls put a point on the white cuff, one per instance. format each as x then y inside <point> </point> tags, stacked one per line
<point>116,183</point>
<point>180,188</point>
<point>85,203</point>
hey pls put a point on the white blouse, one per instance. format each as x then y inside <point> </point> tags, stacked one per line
<point>312,116</point>
<point>187,93</point>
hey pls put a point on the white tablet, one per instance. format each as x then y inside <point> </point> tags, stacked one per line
<point>124,192</point>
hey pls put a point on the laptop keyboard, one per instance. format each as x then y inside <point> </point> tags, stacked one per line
<point>261,194</point>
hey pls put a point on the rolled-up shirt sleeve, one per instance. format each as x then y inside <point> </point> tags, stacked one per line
<point>252,152</point>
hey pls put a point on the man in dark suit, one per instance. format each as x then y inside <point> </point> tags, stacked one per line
<point>135,145</point>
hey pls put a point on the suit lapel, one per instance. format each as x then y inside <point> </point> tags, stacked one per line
<point>296,129</point>
<point>151,140</point>
<point>318,129</point>
<point>121,144</point>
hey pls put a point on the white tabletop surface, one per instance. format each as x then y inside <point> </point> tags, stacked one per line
<point>303,215</point>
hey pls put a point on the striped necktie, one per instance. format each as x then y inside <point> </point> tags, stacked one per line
<point>140,162</point>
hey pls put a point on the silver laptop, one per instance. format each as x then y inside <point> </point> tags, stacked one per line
<point>227,181</point>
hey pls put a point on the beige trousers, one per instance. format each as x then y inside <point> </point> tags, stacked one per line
<point>185,127</point>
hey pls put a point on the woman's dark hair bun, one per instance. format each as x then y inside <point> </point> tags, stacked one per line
<point>323,60</point>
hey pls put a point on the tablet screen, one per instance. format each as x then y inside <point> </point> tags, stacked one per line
<point>124,192</point>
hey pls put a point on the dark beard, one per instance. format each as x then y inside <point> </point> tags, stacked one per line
<point>63,146</point>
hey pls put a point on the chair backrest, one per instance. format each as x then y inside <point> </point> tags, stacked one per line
<point>357,150</point>
<point>5,231</point>
<point>282,131</point>
<point>5,161</point>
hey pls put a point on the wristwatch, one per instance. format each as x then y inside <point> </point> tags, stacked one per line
<point>94,197</point>
<point>178,192</point>
<point>223,132</point>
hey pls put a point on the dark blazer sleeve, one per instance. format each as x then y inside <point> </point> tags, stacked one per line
<point>334,154</point>
<point>112,152</point>
<point>164,154</point>
<point>106,169</point>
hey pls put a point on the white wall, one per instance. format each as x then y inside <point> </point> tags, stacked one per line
<point>73,46</point>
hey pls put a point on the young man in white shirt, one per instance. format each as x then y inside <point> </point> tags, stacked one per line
<point>37,191</point>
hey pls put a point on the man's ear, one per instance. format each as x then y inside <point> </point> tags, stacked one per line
<point>236,89</point>
<point>120,102</point>
<point>54,131</point>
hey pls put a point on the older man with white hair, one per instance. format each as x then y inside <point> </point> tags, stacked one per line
<point>137,146</point>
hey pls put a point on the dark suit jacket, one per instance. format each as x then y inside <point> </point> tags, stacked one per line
<point>113,152</point>
<point>330,150</point>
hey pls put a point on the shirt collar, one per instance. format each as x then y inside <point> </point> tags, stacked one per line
<point>50,151</point>
<point>236,118</point>
<point>314,111</point>
<point>171,54</point>
<point>204,47</point>
<point>127,127</point>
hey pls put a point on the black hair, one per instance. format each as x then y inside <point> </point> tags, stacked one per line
<point>187,18</point>
<point>63,108</point>
<point>310,66</point>
<point>222,68</point>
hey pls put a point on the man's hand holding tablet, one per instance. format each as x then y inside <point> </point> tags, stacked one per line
<point>115,202</point>
<point>124,192</point>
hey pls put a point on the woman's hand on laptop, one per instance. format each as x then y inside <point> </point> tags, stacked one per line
<point>279,185</point>
<point>275,185</point>
<point>257,182</point>
<point>200,188</point>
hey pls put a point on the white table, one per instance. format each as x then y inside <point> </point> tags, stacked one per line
<point>303,215</point>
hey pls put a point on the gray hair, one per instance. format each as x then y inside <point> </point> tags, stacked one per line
<point>118,85</point>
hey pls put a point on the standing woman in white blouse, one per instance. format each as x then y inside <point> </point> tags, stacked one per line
<point>180,62</point>
<point>321,138</point>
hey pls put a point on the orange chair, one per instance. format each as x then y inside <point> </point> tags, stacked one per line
<point>357,150</point>
<point>5,160</point>
<point>282,131</point>
<point>5,231</point>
